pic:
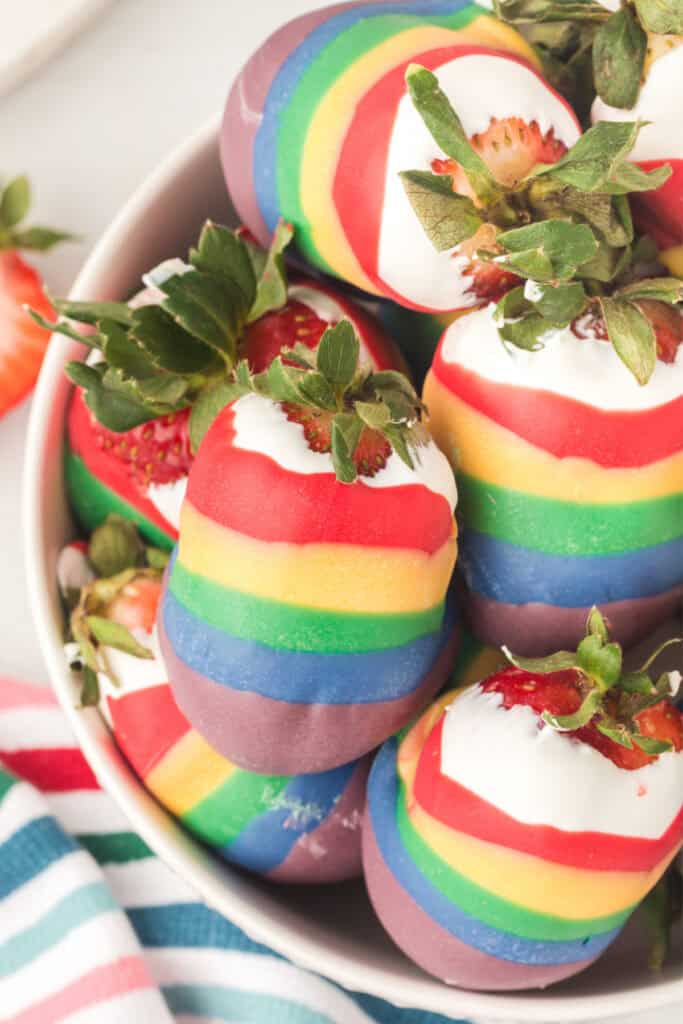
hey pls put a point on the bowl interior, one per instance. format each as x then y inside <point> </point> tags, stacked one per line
<point>332,930</point>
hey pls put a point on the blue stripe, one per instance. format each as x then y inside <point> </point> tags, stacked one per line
<point>189,926</point>
<point>303,805</point>
<point>297,676</point>
<point>30,850</point>
<point>382,800</point>
<point>230,1004</point>
<point>287,80</point>
<point>71,912</point>
<point>516,575</point>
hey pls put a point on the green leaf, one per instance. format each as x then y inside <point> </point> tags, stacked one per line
<point>637,682</point>
<point>271,291</point>
<point>662,908</point>
<point>549,250</point>
<point>596,625</point>
<point>447,218</point>
<point>121,351</point>
<point>92,312</point>
<point>337,355</point>
<point>342,450</point>
<point>92,341</point>
<point>210,310</point>
<point>165,393</point>
<point>598,161</point>
<point>619,50</point>
<point>651,746</point>
<point>632,336</point>
<point>599,660</point>
<point>397,439</point>
<point>168,345</point>
<point>553,663</point>
<point>280,382</point>
<point>609,215</point>
<point>115,410</point>
<point>115,546</point>
<point>607,264</point>
<point>15,201</point>
<point>523,11</point>
<point>222,253</point>
<point>375,415</point>
<point>518,322</point>
<point>568,723</point>
<point>661,289</point>
<point>90,688</point>
<point>445,127</point>
<point>671,642</point>
<point>40,239</point>
<point>316,391</point>
<point>664,17</point>
<point>113,634</point>
<point>560,304</point>
<point>156,558</point>
<point>617,733</point>
<point>629,177</point>
<point>207,407</point>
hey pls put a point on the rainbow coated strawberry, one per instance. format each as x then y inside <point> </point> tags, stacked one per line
<point>519,870</point>
<point>305,612</point>
<point>318,126</point>
<point>133,457</point>
<point>303,829</point>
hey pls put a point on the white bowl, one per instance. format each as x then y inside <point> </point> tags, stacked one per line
<point>331,931</point>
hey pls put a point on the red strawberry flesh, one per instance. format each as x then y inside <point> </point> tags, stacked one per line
<point>22,341</point>
<point>157,452</point>
<point>265,339</point>
<point>373,449</point>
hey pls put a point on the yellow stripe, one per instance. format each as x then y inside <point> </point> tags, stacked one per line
<point>188,773</point>
<point>673,260</point>
<point>521,878</point>
<point>337,577</point>
<point>332,119</point>
<point>483,449</point>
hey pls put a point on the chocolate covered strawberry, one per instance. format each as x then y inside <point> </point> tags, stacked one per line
<point>22,341</point>
<point>303,829</point>
<point>305,616</point>
<point>318,126</point>
<point>172,350</point>
<point>512,831</point>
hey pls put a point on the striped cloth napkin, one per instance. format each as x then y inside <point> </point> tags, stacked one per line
<point>94,929</point>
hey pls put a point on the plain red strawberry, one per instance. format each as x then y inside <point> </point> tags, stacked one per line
<point>22,341</point>
<point>560,693</point>
<point>265,339</point>
<point>158,452</point>
<point>135,607</point>
<point>510,148</point>
<point>372,451</point>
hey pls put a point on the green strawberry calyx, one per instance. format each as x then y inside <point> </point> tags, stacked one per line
<point>611,696</point>
<point>576,37</point>
<point>332,380</point>
<point>182,352</point>
<point>118,557</point>
<point>565,229</point>
<point>15,201</point>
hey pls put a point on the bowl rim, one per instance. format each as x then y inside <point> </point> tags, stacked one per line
<point>182,854</point>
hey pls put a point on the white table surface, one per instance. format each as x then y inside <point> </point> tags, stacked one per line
<point>88,127</point>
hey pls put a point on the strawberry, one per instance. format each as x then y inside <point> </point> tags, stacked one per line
<point>627,718</point>
<point>22,341</point>
<point>135,605</point>
<point>666,321</point>
<point>510,148</point>
<point>168,359</point>
<point>156,452</point>
<point>371,453</point>
<point>281,329</point>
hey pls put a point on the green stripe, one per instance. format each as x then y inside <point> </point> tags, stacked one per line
<point>6,782</point>
<point>115,847</point>
<point>221,817</point>
<point>70,913</point>
<point>566,527</point>
<point>485,905</point>
<point>92,501</point>
<point>296,627</point>
<point>336,58</point>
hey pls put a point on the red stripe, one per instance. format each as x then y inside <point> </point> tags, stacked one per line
<point>660,213</point>
<point>359,198</point>
<point>251,494</point>
<point>109,471</point>
<point>147,723</point>
<point>567,428</point>
<point>54,771</point>
<point>463,811</point>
